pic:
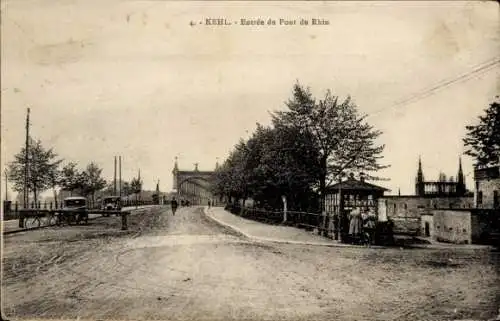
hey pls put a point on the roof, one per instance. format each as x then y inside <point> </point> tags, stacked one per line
<point>355,185</point>
<point>75,198</point>
<point>195,173</point>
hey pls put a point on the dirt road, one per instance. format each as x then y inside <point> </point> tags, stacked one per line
<point>185,267</point>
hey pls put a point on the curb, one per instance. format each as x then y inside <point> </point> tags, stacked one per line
<point>270,240</point>
<point>264,240</point>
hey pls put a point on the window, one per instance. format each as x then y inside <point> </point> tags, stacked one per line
<point>406,206</point>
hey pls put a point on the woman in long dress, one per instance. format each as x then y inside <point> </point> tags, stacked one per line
<point>355,224</point>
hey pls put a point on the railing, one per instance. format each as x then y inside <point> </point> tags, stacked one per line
<point>11,211</point>
<point>265,216</point>
<point>327,225</point>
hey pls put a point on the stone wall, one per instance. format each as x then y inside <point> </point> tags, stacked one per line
<point>452,226</point>
<point>406,211</point>
<point>429,220</point>
<point>487,187</point>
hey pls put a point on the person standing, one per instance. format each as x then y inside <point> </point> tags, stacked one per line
<point>355,225</point>
<point>174,205</point>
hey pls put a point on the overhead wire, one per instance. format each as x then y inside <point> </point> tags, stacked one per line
<point>476,71</point>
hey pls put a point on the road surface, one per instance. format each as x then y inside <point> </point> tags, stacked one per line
<point>185,267</point>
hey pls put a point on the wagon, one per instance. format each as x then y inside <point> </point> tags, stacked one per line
<point>111,203</point>
<point>74,210</point>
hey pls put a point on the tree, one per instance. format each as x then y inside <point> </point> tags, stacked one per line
<point>42,166</point>
<point>278,164</point>
<point>126,189</point>
<point>92,180</point>
<point>136,187</point>
<point>339,136</point>
<point>482,141</point>
<point>70,178</point>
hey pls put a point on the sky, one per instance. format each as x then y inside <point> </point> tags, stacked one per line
<point>136,79</point>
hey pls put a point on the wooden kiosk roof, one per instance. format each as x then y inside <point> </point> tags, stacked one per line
<point>356,185</point>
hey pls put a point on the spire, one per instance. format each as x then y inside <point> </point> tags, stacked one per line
<point>195,167</point>
<point>419,180</point>
<point>420,173</point>
<point>461,189</point>
<point>176,166</point>
<point>399,191</point>
<point>139,175</point>
<point>460,177</point>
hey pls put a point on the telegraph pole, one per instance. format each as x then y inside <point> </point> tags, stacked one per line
<point>120,174</point>
<point>114,180</point>
<point>26,161</point>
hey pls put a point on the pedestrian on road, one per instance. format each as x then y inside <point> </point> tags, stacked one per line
<point>209,203</point>
<point>174,205</point>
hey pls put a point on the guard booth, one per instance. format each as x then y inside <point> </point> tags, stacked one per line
<point>342,198</point>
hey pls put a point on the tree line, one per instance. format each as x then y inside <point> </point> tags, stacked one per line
<point>310,145</point>
<point>47,171</point>
<point>314,143</point>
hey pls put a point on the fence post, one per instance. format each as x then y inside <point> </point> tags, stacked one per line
<point>124,220</point>
<point>21,219</point>
<point>283,198</point>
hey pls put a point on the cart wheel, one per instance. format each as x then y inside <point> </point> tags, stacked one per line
<point>52,220</point>
<point>32,222</point>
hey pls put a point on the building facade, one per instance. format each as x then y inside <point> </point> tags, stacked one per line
<point>407,211</point>
<point>487,187</point>
<point>440,188</point>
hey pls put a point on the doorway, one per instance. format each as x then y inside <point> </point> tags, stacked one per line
<point>427,229</point>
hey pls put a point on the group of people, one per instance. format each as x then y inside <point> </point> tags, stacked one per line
<point>362,225</point>
<point>174,204</point>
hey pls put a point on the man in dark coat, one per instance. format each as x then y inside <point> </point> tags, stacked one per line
<point>174,205</point>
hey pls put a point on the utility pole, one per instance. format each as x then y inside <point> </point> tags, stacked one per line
<point>120,174</point>
<point>26,161</point>
<point>114,180</point>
